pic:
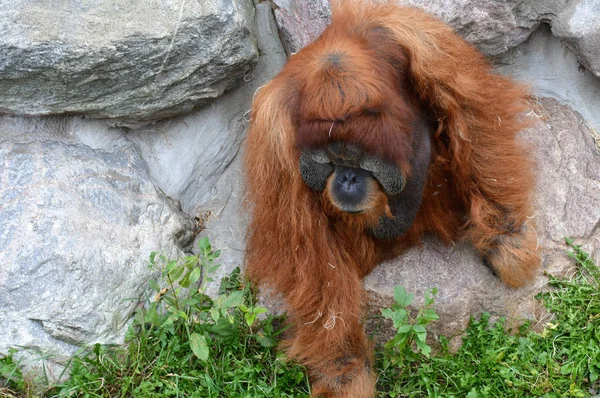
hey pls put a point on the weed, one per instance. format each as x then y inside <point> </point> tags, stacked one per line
<point>186,344</point>
<point>562,361</point>
<point>11,378</point>
<point>411,333</point>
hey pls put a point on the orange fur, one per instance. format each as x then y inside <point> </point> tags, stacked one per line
<point>389,64</point>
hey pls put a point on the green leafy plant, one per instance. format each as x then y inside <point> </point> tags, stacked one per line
<point>411,332</point>
<point>11,377</point>
<point>561,361</point>
<point>185,343</point>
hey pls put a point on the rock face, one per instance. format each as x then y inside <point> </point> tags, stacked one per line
<point>187,155</point>
<point>124,59</point>
<point>578,26</point>
<point>567,204</point>
<point>226,223</point>
<point>551,70</point>
<point>300,22</point>
<point>492,26</point>
<point>194,159</point>
<point>79,216</point>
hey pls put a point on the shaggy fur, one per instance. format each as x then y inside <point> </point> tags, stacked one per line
<point>370,75</point>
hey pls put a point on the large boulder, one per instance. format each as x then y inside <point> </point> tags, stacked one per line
<point>130,60</point>
<point>194,159</point>
<point>79,216</point>
<point>187,155</point>
<point>551,70</point>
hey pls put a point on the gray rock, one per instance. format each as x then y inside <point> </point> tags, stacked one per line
<point>578,26</point>
<point>567,204</point>
<point>226,223</point>
<point>490,25</point>
<point>130,60</point>
<point>77,224</point>
<point>300,22</point>
<point>187,155</point>
<point>549,68</point>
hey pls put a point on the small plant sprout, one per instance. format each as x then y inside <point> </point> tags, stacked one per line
<point>411,332</point>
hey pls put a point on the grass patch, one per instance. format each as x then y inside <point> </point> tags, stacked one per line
<point>562,361</point>
<point>185,344</point>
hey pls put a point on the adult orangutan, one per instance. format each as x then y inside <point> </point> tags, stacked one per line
<point>389,126</point>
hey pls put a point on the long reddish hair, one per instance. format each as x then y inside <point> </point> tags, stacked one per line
<point>388,65</point>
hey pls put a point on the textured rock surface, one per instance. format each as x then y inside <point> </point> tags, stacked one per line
<point>300,22</point>
<point>493,26</point>
<point>78,219</point>
<point>544,63</point>
<point>578,25</point>
<point>567,204</point>
<point>226,224</point>
<point>121,58</point>
<point>187,155</point>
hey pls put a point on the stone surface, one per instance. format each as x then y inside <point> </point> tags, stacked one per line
<point>567,204</point>
<point>300,22</point>
<point>79,217</point>
<point>187,155</point>
<point>578,25</point>
<point>551,70</point>
<point>125,59</point>
<point>226,223</point>
<point>492,26</point>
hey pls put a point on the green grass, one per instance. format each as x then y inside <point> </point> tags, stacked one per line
<point>562,361</point>
<point>185,344</point>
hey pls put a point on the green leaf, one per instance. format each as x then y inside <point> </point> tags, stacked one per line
<point>250,318</point>
<point>215,314</point>
<point>428,316</point>
<point>419,329</point>
<point>195,275</point>
<point>169,321</point>
<point>593,375</point>
<point>153,285</point>
<point>176,272</point>
<point>212,268</point>
<point>151,316</point>
<point>473,393</point>
<point>265,341</point>
<point>235,299</point>
<point>387,313</point>
<point>567,368</point>
<point>185,281</point>
<point>199,346</point>
<point>204,244</point>
<point>424,348</point>
<point>400,295</point>
<point>429,294</point>
<point>404,329</point>
<point>422,336</point>
<point>170,265</point>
